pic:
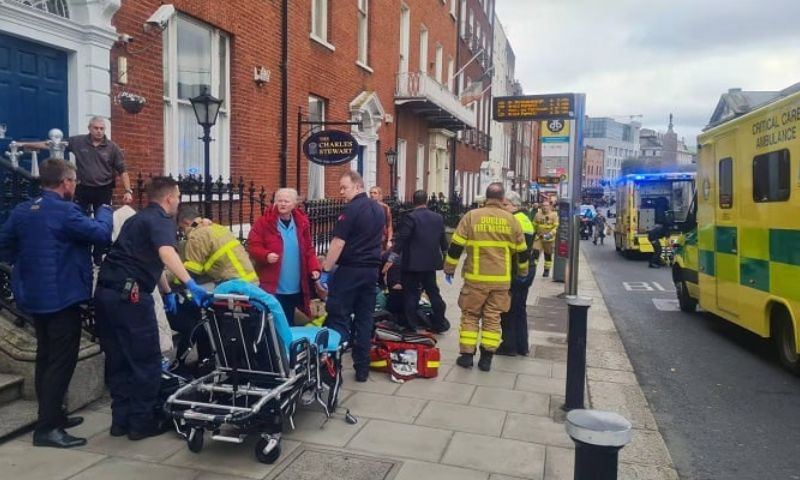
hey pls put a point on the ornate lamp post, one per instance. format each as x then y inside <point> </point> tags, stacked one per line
<point>206,109</point>
<point>391,158</point>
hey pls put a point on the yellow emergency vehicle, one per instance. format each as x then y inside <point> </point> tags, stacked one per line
<point>649,199</point>
<point>742,260</point>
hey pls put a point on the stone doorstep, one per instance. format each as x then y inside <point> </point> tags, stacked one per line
<point>16,416</point>
<point>10,388</point>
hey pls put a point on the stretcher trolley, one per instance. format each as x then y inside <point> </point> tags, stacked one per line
<point>264,369</point>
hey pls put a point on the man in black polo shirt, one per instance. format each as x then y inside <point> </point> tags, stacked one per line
<point>356,249</point>
<point>126,321</point>
<point>99,161</point>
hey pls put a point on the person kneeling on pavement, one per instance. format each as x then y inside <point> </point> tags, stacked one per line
<point>125,318</point>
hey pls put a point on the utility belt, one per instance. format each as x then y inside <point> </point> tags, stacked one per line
<point>129,289</point>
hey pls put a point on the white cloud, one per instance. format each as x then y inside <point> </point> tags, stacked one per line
<point>656,58</point>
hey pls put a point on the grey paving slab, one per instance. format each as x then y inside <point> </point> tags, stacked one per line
<point>604,340</point>
<point>559,464</point>
<point>473,376</point>
<point>627,400</point>
<point>373,405</point>
<point>312,427</point>
<point>94,422</point>
<point>318,464</point>
<point>630,471</point>
<point>526,365</point>
<point>444,391</point>
<point>401,440</point>
<point>153,449</point>
<point>536,429</point>
<point>378,382</point>
<point>228,458</point>
<point>608,359</point>
<point>19,460</point>
<point>217,476</point>
<point>550,386</point>
<point>413,470</point>
<point>511,400</point>
<point>496,476</point>
<point>126,469</point>
<point>613,376</point>
<point>559,370</point>
<point>496,455</point>
<point>647,447</point>
<point>462,418</point>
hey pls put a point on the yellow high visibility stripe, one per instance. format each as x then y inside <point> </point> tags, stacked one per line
<point>490,343</point>
<point>219,253</point>
<point>490,243</point>
<point>193,267</point>
<point>458,239</point>
<point>451,260</point>
<point>468,334</point>
<point>487,278</point>
<point>378,363</point>
<point>521,247</point>
<point>492,335</point>
<point>433,364</point>
<point>468,341</point>
<point>237,265</point>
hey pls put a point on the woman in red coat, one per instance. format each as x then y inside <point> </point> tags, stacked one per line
<point>280,245</point>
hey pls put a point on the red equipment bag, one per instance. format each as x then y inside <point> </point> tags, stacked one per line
<point>404,361</point>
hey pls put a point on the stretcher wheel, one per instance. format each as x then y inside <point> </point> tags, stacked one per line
<point>270,456</point>
<point>195,440</point>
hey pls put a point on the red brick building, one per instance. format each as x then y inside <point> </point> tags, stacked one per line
<point>336,69</point>
<point>592,167</point>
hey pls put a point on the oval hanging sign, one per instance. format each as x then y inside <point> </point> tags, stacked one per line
<point>330,147</point>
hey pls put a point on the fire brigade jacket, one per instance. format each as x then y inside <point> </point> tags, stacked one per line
<point>546,225</point>
<point>213,251</point>
<point>493,240</point>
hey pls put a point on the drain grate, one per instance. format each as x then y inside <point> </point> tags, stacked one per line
<point>324,465</point>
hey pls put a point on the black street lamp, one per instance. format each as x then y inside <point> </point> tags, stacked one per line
<point>206,109</point>
<point>391,158</point>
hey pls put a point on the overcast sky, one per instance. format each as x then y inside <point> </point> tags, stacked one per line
<point>653,58</point>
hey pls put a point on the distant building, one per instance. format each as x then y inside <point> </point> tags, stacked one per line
<point>737,102</point>
<point>618,140</point>
<point>665,147</point>
<point>593,159</point>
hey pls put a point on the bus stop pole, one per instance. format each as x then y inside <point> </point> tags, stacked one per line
<point>576,176</point>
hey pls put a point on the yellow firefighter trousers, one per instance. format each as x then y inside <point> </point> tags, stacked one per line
<point>547,248</point>
<point>478,303</point>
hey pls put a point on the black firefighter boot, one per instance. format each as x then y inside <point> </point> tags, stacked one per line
<point>485,363</point>
<point>465,360</point>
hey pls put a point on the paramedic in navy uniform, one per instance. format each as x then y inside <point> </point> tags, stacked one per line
<point>356,249</point>
<point>126,321</point>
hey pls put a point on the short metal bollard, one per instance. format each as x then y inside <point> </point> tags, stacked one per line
<point>598,438</point>
<point>576,351</point>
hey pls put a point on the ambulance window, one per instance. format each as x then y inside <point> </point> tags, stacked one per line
<point>726,183</point>
<point>771,177</point>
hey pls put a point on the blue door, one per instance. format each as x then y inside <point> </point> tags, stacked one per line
<point>360,163</point>
<point>33,91</point>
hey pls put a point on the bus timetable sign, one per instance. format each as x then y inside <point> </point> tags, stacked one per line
<point>534,107</point>
<point>330,147</point>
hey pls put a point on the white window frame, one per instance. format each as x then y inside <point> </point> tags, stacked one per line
<point>451,65</point>
<point>363,33</point>
<point>220,164</point>
<point>311,165</point>
<point>439,62</point>
<point>463,18</point>
<point>453,8</point>
<point>423,49</point>
<point>420,173</point>
<point>321,36</point>
<point>402,152</point>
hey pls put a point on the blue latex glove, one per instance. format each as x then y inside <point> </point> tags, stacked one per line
<point>171,303</point>
<point>199,294</point>
<point>324,277</point>
<point>448,277</point>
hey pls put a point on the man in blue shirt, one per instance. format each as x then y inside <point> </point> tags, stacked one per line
<point>47,241</point>
<point>356,249</point>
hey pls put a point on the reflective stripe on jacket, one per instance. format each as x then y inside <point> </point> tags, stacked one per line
<point>214,251</point>
<point>546,223</point>
<point>493,239</point>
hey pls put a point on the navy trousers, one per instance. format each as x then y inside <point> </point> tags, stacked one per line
<point>129,337</point>
<point>514,322</point>
<point>350,305</point>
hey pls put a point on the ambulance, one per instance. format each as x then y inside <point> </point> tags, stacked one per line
<point>741,262</point>
<point>649,199</point>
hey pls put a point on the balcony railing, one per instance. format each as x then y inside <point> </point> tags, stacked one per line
<point>418,85</point>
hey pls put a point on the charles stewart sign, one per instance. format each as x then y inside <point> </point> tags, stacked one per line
<point>330,147</point>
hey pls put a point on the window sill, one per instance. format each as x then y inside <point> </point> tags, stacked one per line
<point>365,66</point>
<point>322,42</point>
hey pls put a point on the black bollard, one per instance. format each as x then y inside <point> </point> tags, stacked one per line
<point>598,438</point>
<point>576,351</point>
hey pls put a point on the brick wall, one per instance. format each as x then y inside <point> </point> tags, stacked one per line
<point>255,116</point>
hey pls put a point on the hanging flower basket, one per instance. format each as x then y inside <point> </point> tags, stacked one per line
<point>131,102</point>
